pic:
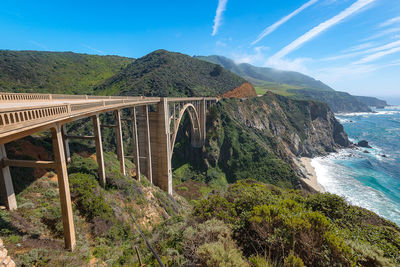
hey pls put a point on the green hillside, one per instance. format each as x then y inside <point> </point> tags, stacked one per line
<point>55,72</point>
<point>262,76</point>
<point>163,73</point>
<point>291,84</point>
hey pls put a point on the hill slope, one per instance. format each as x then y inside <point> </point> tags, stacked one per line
<point>258,75</point>
<point>55,72</point>
<point>163,73</point>
<point>291,84</point>
<point>372,101</point>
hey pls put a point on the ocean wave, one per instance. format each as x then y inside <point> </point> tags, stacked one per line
<point>339,179</point>
<point>367,114</point>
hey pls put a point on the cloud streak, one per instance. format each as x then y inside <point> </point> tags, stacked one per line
<point>93,49</point>
<point>377,56</point>
<point>366,51</point>
<point>354,8</point>
<point>390,22</point>
<point>283,20</point>
<point>218,16</point>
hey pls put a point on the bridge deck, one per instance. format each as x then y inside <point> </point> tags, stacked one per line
<point>25,114</point>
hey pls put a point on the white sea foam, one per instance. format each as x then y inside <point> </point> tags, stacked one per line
<point>367,114</point>
<point>339,179</point>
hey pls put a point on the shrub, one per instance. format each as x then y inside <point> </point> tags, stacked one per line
<point>88,196</point>
<point>293,261</point>
<point>83,165</point>
<point>200,239</point>
<point>220,254</point>
<point>215,206</point>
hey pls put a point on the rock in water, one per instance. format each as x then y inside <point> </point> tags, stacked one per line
<point>364,143</point>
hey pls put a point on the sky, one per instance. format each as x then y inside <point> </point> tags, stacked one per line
<point>351,45</point>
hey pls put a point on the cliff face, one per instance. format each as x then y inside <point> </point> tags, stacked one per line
<point>372,101</point>
<point>261,137</point>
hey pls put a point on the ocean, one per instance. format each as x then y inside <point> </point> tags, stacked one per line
<point>369,180</point>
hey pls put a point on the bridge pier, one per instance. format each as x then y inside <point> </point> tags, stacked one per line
<point>66,143</point>
<point>143,128</point>
<point>63,185</point>
<point>202,114</point>
<point>136,155</point>
<point>120,143</point>
<point>99,150</point>
<point>6,186</point>
<point>160,147</point>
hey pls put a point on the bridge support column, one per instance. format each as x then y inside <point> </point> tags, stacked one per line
<point>66,143</point>
<point>120,143</point>
<point>144,142</point>
<point>203,115</point>
<point>160,146</point>
<point>63,185</point>
<point>6,186</point>
<point>99,150</point>
<point>136,155</point>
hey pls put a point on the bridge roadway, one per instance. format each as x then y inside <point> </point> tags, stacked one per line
<point>154,125</point>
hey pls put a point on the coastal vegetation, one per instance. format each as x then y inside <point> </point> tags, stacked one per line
<point>238,201</point>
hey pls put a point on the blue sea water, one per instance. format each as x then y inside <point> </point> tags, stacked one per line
<point>370,180</point>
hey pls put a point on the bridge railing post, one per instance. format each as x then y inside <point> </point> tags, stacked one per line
<point>63,185</point>
<point>6,186</point>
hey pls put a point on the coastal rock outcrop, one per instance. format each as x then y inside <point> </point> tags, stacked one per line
<point>364,143</point>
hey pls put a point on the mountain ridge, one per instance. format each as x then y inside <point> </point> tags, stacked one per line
<point>295,84</point>
<point>164,73</point>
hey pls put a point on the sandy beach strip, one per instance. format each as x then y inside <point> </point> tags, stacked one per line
<point>311,179</point>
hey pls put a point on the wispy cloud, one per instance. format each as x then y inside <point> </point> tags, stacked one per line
<point>298,64</point>
<point>365,51</point>
<point>383,33</point>
<point>254,58</point>
<point>93,49</point>
<point>378,55</point>
<point>357,6</point>
<point>359,47</point>
<point>390,22</point>
<point>218,16</point>
<point>37,44</point>
<point>283,20</point>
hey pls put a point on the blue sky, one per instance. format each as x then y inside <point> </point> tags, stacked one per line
<point>352,45</point>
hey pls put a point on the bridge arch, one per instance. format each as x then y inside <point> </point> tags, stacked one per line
<point>196,133</point>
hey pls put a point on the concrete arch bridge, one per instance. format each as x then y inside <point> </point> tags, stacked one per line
<point>154,121</point>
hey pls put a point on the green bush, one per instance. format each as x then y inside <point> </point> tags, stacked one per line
<point>88,196</point>
<point>82,165</point>
<point>221,254</point>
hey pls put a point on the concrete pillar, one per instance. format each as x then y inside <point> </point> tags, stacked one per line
<point>99,150</point>
<point>160,146</point>
<point>120,143</point>
<point>66,143</point>
<point>63,185</point>
<point>6,186</point>
<point>144,142</point>
<point>136,153</point>
<point>203,115</point>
